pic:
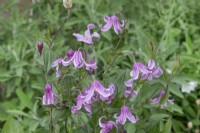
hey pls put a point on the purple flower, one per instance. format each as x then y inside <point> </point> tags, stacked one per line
<point>91,95</point>
<point>49,96</point>
<point>112,21</point>
<point>106,127</point>
<point>77,59</point>
<point>154,71</point>
<point>125,113</point>
<point>40,47</point>
<point>157,100</point>
<point>130,93</point>
<point>88,36</point>
<point>56,64</point>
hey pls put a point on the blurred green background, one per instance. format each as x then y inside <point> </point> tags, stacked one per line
<point>173,26</point>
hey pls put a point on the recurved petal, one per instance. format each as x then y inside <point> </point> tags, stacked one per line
<point>100,123</point>
<point>116,24</point>
<point>56,62</point>
<point>129,83</point>
<point>131,117</point>
<point>82,38</point>
<point>135,72</point>
<point>58,72</point>
<point>157,72</point>
<point>96,35</point>
<point>108,25</point>
<point>151,64</point>
<point>91,26</point>
<point>142,68</point>
<point>87,108</point>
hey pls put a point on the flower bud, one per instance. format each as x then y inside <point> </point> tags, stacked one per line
<point>40,47</point>
<point>67,4</point>
<point>198,101</point>
<point>190,125</point>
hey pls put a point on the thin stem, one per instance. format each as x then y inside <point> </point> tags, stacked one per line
<point>68,14</point>
<point>51,123</point>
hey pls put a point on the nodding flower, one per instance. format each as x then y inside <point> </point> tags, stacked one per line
<point>56,64</point>
<point>107,126</point>
<point>125,114</point>
<point>92,94</point>
<point>112,21</point>
<point>49,96</point>
<point>88,36</point>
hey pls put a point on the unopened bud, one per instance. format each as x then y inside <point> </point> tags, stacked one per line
<point>40,47</point>
<point>198,101</point>
<point>190,125</point>
<point>67,4</point>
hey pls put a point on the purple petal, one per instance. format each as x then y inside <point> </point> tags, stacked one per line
<point>157,72</point>
<point>129,83</point>
<point>48,97</point>
<point>156,100</point>
<point>78,59</point>
<point>171,101</point>
<point>90,26</point>
<point>56,62</point>
<point>100,123</point>
<point>121,119</point>
<point>70,54</point>
<point>129,92</point>
<point>88,95</point>
<point>135,72</point>
<point>150,77</point>
<point>87,108</point>
<point>91,65</point>
<point>96,35</point>
<point>163,105</point>
<point>79,104</point>
<point>144,76</point>
<point>101,90</point>
<point>142,68</point>
<point>116,24</point>
<point>151,64</point>
<point>131,117</point>
<point>108,25</point>
<point>81,38</point>
<point>58,72</point>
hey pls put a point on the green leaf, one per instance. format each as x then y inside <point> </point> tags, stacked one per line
<point>130,128</point>
<point>24,98</point>
<point>167,126</point>
<point>158,116</point>
<point>3,114</point>
<point>173,89</point>
<point>19,64</point>
<point>12,126</point>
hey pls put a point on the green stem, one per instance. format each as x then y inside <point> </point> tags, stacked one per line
<point>51,123</point>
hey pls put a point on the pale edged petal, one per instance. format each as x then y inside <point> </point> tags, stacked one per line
<point>96,35</point>
<point>58,72</point>
<point>56,62</point>
<point>157,72</point>
<point>131,117</point>
<point>121,119</point>
<point>135,72</point>
<point>142,68</point>
<point>108,25</point>
<point>144,76</point>
<point>116,24</point>
<point>171,101</point>
<point>88,95</point>
<point>91,65</point>
<point>87,108</point>
<point>82,38</point>
<point>100,123</point>
<point>91,26</point>
<point>78,59</point>
<point>156,100</point>
<point>151,64</point>
<point>129,83</point>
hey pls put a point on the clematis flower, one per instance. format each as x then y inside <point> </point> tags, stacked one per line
<point>157,100</point>
<point>56,64</point>
<point>130,93</point>
<point>91,95</point>
<point>154,71</point>
<point>112,21</point>
<point>88,36</point>
<point>40,47</point>
<point>49,96</point>
<point>77,59</point>
<point>125,114</point>
<point>108,126</point>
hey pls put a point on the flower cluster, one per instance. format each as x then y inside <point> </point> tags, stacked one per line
<point>95,92</point>
<point>75,58</point>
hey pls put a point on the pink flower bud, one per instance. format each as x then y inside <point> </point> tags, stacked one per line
<point>40,47</point>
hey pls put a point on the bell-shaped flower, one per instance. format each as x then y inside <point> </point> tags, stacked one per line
<point>112,21</point>
<point>88,36</point>
<point>107,126</point>
<point>157,100</point>
<point>125,114</point>
<point>49,96</point>
<point>56,64</point>
<point>129,93</point>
